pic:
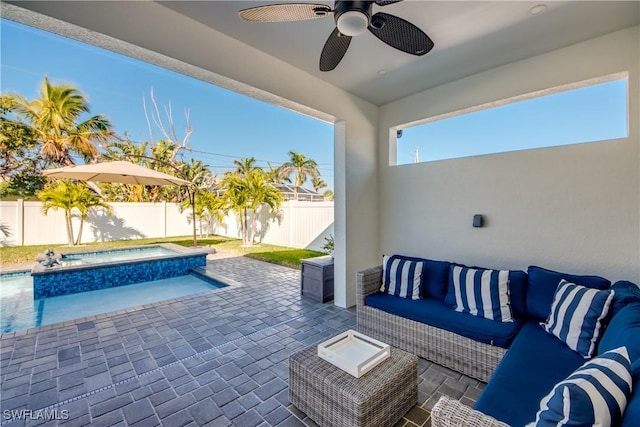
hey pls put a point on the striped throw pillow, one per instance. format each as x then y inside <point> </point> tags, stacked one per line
<point>402,276</point>
<point>483,293</point>
<point>595,394</point>
<point>576,316</point>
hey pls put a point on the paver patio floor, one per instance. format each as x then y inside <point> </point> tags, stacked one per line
<point>216,359</point>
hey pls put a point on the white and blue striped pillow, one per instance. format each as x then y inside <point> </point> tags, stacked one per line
<point>483,293</point>
<point>576,315</point>
<point>595,394</point>
<point>402,276</point>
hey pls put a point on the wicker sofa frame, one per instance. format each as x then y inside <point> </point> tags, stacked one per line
<point>449,412</point>
<point>462,354</point>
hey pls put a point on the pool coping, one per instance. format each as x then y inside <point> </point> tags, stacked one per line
<point>181,252</point>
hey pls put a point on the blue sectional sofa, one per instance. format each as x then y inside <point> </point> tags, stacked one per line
<point>520,361</point>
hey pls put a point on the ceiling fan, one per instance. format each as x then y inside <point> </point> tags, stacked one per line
<point>352,18</point>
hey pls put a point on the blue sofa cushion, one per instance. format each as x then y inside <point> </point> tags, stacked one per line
<point>434,279</point>
<point>534,363</point>
<point>624,329</point>
<point>517,291</point>
<point>542,286</point>
<point>594,394</point>
<point>439,314</point>
<point>576,316</point>
<point>402,277</point>
<point>483,293</point>
<point>626,293</point>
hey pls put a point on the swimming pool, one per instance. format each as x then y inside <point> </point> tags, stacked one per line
<point>82,272</point>
<point>19,310</point>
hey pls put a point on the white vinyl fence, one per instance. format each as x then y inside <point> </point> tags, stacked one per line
<point>297,224</point>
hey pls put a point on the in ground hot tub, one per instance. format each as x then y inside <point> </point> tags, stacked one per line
<point>81,272</point>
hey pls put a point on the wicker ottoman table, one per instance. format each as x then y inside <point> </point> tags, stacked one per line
<point>334,398</point>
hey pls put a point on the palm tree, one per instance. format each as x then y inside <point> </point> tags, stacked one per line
<point>19,161</point>
<point>275,175</point>
<point>245,165</point>
<point>244,193</point>
<point>201,178</point>
<point>302,167</point>
<point>67,195</point>
<point>54,119</point>
<point>263,193</point>
<point>208,207</point>
<point>318,183</point>
<point>236,196</point>
<point>86,201</point>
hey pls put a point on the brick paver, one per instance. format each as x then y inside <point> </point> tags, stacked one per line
<point>217,358</point>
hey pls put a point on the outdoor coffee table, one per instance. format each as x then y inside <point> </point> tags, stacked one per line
<point>332,397</point>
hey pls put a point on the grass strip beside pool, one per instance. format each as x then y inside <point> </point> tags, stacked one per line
<point>288,258</point>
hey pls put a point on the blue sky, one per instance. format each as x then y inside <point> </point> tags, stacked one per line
<point>226,125</point>
<point>591,113</point>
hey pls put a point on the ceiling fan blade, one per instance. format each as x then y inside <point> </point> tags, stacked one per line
<point>333,51</point>
<point>386,2</point>
<point>401,34</point>
<point>285,12</point>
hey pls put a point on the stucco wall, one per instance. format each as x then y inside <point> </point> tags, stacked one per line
<point>573,208</point>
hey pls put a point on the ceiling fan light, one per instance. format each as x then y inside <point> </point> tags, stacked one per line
<point>352,23</point>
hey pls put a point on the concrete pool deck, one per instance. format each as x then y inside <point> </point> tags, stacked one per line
<point>219,358</point>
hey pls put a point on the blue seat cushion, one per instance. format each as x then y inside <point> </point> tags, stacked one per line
<point>535,362</point>
<point>543,284</point>
<point>441,315</point>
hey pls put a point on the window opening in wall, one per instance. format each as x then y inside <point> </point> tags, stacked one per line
<point>596,111</point>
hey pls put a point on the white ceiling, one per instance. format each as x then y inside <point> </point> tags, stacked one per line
<point>469,37</point>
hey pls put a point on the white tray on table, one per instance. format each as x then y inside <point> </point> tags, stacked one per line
<point>354,352</point>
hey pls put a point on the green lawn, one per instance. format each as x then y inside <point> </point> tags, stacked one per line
<point>286,257</point>
<point>281,255</point>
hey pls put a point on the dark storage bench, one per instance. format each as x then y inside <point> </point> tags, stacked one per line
<point>317,278</point>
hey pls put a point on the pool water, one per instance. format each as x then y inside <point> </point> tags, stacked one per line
<point>88,258</point>
<point>18,309</point>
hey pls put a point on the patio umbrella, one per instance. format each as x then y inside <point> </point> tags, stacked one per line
<point>120,171</point>
<point>124,173</point>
